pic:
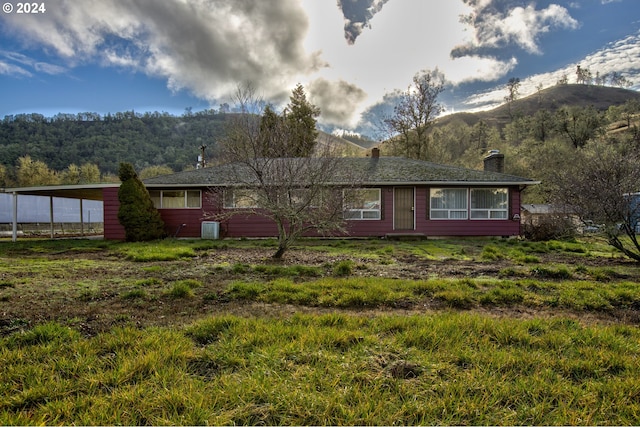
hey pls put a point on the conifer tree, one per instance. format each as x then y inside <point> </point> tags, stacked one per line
<point>140,219</point>
<point>300,118</point>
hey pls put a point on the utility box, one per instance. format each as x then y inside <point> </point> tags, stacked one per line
<point>210,230</point>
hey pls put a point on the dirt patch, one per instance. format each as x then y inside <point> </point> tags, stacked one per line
<point>96,291</point>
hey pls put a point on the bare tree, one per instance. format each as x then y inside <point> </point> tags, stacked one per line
<point>414,114</point>
<point>618,80</point>
<point>298,193</point>
<point>600,185</point>
<point>583,75</point>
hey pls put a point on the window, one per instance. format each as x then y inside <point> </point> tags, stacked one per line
<point>240,198</point>
<point>449,203</point>
<point>362,203</point>
<point>175,199</point>
<point>489,203</point>
<point>474,203</point>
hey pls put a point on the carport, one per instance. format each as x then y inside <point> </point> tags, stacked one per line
<point>79,192</point>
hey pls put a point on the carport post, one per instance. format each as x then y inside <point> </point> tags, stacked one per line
<point>14,232</point>
<point>81,220</point>
<point>51,214</point>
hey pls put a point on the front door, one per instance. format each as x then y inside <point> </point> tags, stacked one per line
<point>403,208</point>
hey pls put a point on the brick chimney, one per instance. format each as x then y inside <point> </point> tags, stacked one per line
<point>494,162</point>
<point>375,153</point>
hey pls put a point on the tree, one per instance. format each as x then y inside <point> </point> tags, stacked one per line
<point>151,171</point>
<point>513,87</point>
<point>541,124</point>
<point>598,185</point>
<point>415,112</point>
<point>291,191</point>
<point>563,80</point>
<point>86,174</point>
<point>583,75</point>
<point>89,173</point>
<point>140,219</point>
<point>300,116</point>
<point>480,134</point>
<point>71,175</point>
<point>4,176</point>
<point>35,172</point>
<point>619,80</point>
<point>579,124</point>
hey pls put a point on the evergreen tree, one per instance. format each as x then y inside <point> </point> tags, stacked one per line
<point>140,219</point>
<point>300,117</point>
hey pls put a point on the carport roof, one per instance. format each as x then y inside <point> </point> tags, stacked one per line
<point>81,191</point>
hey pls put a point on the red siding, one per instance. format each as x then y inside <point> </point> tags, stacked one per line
<point>175,218</point>
<point>112,228</point>
<point>259,226</point>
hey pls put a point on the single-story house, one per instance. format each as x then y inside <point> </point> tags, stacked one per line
<point>399,197</point>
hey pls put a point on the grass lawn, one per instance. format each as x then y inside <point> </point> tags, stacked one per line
<point>476,331</point>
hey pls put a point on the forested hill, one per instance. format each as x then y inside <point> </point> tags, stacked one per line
<point>142,139</point>
<point>550,99</point>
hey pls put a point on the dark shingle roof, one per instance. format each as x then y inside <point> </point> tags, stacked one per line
<point>374,171</point>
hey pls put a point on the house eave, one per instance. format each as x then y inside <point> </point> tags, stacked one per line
<point>368,184</point>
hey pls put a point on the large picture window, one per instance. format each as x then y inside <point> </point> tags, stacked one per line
<point>474,203</point>
<point>449,203</point>
<point>362,203</point>
<point>176,199</point>
<point>489,203</point>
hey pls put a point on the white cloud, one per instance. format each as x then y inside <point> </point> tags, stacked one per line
<point>13,70</point>
<point>620,57</point>
<point>43,67</point>
<point>208,47</point>
<point>202,46</point>
<point>520,26</point>
<point>27,62</point>
<point>324,94</point>
<point>406,36</point>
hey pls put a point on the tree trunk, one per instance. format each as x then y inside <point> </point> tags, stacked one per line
<point>282,248</point>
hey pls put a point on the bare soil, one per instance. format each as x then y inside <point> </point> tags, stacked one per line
<point>95,299</point>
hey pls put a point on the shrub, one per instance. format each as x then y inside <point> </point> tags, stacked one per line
<point>548,227</point>
<point>140,219</point>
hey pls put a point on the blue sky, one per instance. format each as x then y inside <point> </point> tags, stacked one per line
<point>166,55</point>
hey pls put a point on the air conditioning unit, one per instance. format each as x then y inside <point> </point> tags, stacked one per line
<point>210,230</point>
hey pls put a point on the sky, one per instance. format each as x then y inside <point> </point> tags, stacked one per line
<point>107,56</point>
